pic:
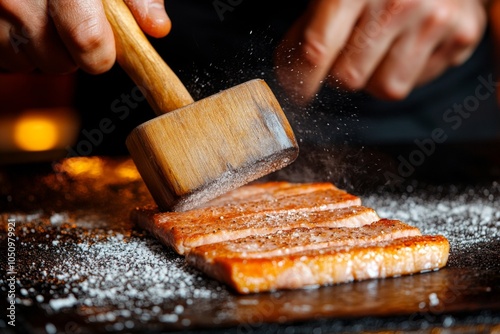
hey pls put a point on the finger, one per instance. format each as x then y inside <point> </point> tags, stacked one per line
<point>151,16</point>
<point>457,47</point>
<point>12,58</point>
<point>447,55</point>
<point>38,40</point>
<point>33,38</point>
<point>312,44</point>
<point>402,66</point>
<point>86,33</point>
<point>397,74</point>
<point>373,35</point>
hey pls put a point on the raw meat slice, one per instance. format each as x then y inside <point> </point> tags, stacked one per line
<point>301,239</point>
<point>331,265</point>
<point>267,191</point>
<point>255,209</point>
<point>184,235</point>
<point>281,235</point>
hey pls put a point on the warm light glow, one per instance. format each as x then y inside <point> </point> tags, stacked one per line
<point>36,133</point>
<point>90,167</point>
<point>127,170</point>
<point>116,172</point>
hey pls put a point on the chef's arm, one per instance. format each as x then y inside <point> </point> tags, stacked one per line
<point>60,36</point>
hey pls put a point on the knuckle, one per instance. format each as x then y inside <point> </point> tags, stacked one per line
<point>88,35</point>
<point>438,16</point>
<point>92,44</point>
<point>394,6</point>
<point>314,49</point>
<point>403,7</point>
<point>351,77</point>
<point>27,20</point>
<point>459,58</point>
<point>468,36</point>
<point>98,64</point>
<point>463,41</point>
<point>391,90</point>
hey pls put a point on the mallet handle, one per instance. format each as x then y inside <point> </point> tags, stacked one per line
<point>161,86</point>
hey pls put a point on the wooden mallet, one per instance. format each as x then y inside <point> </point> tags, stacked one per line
<point>195,151</point>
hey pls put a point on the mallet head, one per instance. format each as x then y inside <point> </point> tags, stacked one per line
<point>200,151</point>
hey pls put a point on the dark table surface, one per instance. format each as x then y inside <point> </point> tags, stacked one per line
<point>82,267</point>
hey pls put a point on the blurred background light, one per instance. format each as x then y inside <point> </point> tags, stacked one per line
<point>38,119</point>
<point>36,132</point>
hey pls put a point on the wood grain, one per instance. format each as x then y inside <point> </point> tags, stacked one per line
<point>197,151</point>
<point>203,150</point>
<point>161,86</point>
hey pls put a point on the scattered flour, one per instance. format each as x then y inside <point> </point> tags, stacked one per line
<point>466,218</point>
<point>58,218</point>
<point>119,278</point>
<point>57,304</point>
<point>433,299</point>
<point>113,277</point>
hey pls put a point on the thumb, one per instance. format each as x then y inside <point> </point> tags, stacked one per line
<point>495,27</point>
<point>151,16</point>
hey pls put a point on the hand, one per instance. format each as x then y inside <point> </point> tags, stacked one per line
<point>60,36</point>
<point>385,47</point>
